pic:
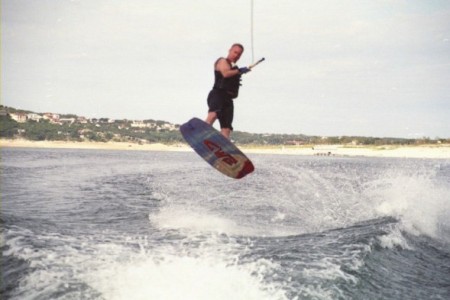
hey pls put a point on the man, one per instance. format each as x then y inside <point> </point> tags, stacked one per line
<point>227,77</point>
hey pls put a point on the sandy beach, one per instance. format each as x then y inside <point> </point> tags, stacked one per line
<point>422,151</point>
<point>20,143</point>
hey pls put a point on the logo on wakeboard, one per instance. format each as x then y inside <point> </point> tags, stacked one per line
<point>219,153</point>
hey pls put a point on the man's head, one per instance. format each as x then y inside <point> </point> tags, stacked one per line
<point>235,52</point>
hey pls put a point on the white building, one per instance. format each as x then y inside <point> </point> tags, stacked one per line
<point>34,117</point>
<point>19,117</point>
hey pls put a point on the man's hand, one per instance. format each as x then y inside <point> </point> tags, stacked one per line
<point>244,70</point>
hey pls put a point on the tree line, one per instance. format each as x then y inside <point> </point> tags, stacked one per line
<point>104,130</point>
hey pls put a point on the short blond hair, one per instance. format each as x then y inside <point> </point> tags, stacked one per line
<point>238,45</point>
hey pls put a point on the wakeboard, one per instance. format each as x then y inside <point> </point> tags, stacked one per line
<point>216,149</point>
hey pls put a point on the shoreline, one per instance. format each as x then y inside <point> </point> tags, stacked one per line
<point>422,151</point>
<point>20,143</point>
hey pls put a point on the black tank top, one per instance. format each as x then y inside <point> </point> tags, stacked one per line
<point>230,85</point>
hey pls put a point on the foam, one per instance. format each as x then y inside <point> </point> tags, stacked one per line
<point>181,218</point>
<point>128,268</point>
<point>395,239</point>
<point>325,269</point>
<point>419,201</point>
<point>181,277</point>
<point>202,221</point>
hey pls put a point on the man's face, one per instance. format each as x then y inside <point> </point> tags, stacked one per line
<point>235,53</point>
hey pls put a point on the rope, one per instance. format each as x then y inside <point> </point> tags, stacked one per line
<point>251,30</point>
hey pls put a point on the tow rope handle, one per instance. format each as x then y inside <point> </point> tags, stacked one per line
<point>256,63</point>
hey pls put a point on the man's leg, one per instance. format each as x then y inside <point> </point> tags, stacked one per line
<point>211,118</point>
<point>226,132</point>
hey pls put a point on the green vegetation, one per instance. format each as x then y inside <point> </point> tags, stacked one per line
<point>69,127</point>
<point>8,127</point>
<point>73,128</point>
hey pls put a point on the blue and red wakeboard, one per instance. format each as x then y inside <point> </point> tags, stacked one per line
<point>216,149</point>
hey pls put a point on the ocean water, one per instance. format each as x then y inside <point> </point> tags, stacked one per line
<point>88,224</point>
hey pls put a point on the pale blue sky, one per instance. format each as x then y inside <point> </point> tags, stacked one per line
<point>370,68</point>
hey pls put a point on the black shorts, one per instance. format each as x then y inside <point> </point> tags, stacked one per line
<point>220,102</point>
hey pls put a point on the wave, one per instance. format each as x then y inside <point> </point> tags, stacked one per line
<point>298,228</point>
<point>311,195</point>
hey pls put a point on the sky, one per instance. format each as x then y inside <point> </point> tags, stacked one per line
<point>333,68</point>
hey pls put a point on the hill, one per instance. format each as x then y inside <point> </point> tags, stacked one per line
<point>15,123</point>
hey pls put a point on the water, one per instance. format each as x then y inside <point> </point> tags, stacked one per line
<point>86,224</point>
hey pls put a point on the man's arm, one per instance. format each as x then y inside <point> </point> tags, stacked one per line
<point>224,67</point>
